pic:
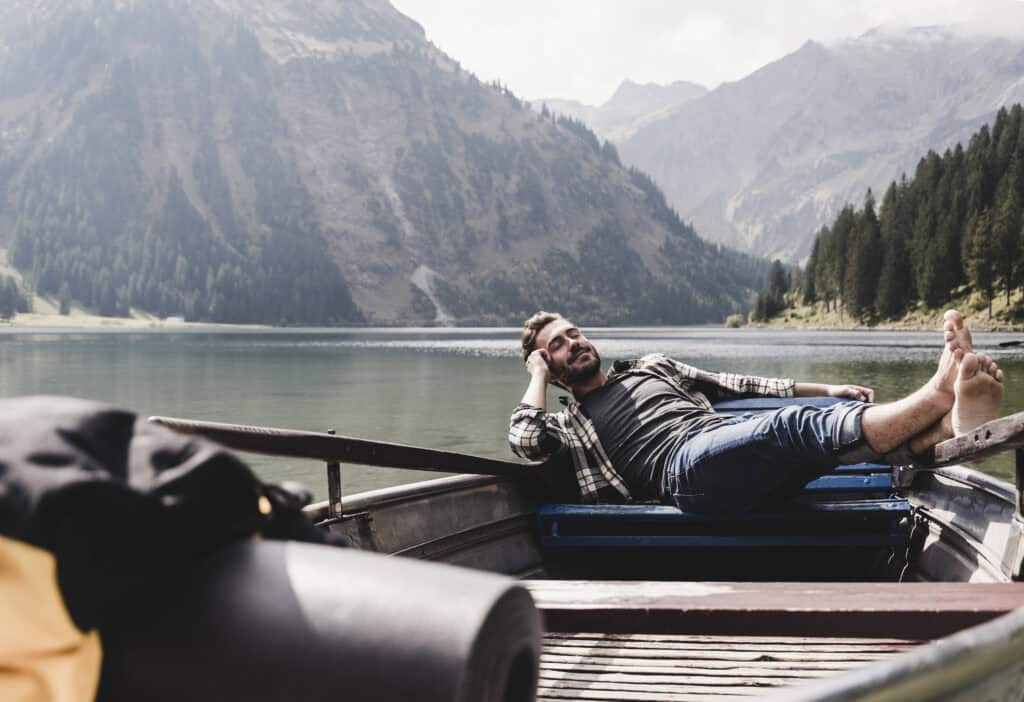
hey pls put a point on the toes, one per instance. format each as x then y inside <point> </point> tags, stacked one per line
<point>949,336</point>
<point>998,375</point>
<point>954,317</point>
<point>969,366</point>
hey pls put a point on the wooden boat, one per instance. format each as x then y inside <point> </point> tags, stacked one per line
<point>876,583</point>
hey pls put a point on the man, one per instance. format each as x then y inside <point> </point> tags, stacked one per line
<point>647,430</point>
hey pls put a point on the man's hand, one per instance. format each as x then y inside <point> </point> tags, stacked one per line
<point>537,367</point>
<point>537,364</point>
<point>853,392</point>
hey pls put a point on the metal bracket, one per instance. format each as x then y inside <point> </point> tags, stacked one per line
<point>1018,455</point>
<point>333,487</point>
<point>903,476</point>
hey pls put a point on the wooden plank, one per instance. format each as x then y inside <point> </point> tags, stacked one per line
<point>760,647</point>
<point>767,648</point>
<point>915,610</point>
<point>711,654</point>
<point>705,664</point>
<point>561,693</point>
<point>712,639</point>
<point>997,436</point>
<point>683,677</point>
<point>734,670</point>
<point>679,687</point>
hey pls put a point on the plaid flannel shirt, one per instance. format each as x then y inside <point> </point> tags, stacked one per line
<point>536,435</point>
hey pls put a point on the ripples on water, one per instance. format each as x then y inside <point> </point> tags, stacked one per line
<point>444,388</point>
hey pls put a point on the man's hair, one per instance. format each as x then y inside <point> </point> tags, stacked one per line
<point>532,327</point>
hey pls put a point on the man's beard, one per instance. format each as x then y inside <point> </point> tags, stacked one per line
<point>572,375</point>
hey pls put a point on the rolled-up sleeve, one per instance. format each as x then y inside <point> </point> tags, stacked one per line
<point>531,434</point>
<point>723,386</point>
<point>752,385</point>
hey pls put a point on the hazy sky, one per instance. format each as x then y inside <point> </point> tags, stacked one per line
<point>583,49</point>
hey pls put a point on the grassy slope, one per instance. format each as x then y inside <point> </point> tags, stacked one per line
<point>1005,317</point>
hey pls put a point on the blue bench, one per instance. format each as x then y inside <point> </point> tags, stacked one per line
<point>854,508</point>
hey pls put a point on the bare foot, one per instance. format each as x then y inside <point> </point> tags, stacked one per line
<point>978,396</point>
<point>943,429</point>
<point>956,333</point>
<point>944,380</point>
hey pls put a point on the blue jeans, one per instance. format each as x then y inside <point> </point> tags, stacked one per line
<point>750,459</point>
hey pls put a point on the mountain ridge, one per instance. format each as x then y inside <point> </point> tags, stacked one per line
<point>301,161</point>
<point>832,122</point>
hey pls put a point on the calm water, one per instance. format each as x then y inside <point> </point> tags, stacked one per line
<point>450,389</point>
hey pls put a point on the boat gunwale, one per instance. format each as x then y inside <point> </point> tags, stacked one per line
<point>948,665</point>
<point>382,497</point>
<point>976,479</point>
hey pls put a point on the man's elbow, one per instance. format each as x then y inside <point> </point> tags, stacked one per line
<point>527,450</point>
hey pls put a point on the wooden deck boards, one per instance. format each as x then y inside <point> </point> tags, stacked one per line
<point>913,610</point>
<point>682,667</point>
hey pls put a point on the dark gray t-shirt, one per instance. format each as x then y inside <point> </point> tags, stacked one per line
<point>640,419</point>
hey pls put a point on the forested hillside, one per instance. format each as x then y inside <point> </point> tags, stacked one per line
<point>319,162</point>
<point>957,222</point>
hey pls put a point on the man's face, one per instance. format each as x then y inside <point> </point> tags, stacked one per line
<point>571,358</point>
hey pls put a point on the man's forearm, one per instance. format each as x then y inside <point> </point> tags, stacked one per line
<point>537,392</point>
<point>851,392</point>
<point>810,390</point>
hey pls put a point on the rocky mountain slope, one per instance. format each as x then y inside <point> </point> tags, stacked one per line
<point>763,163</point>
<point>631,106</point>
<point>317,161</point>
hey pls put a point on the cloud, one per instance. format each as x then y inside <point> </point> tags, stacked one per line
<point>583,49</point>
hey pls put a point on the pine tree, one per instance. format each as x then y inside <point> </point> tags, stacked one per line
<point>778,280</point>
<point>978,254</point>
<point>863,267</point>
<point>893,295</point>
<point>1006,235</point>
<point>65,298</point>
<point>809,291</point>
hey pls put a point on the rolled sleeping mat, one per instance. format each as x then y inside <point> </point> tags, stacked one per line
<point>273,620</point>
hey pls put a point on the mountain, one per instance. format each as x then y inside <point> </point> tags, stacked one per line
<point>630,107</point>
<point>764,162</point>
<point>317,161</point>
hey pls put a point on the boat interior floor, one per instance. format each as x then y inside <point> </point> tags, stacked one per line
<point>648,640</point>
<point>676,667</point>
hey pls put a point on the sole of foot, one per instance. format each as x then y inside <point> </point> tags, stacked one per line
<point>978,396</point>
<point>989,366</point>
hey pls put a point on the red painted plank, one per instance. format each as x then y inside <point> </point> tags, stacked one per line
<point>913,610</point>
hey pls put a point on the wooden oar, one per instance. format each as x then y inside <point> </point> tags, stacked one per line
<point>340,449</point>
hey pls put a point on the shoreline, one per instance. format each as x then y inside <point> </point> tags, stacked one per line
<point>34,321</point>
<point>975,312</point>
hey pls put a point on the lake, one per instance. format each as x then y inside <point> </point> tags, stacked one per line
<point>442,388</point>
